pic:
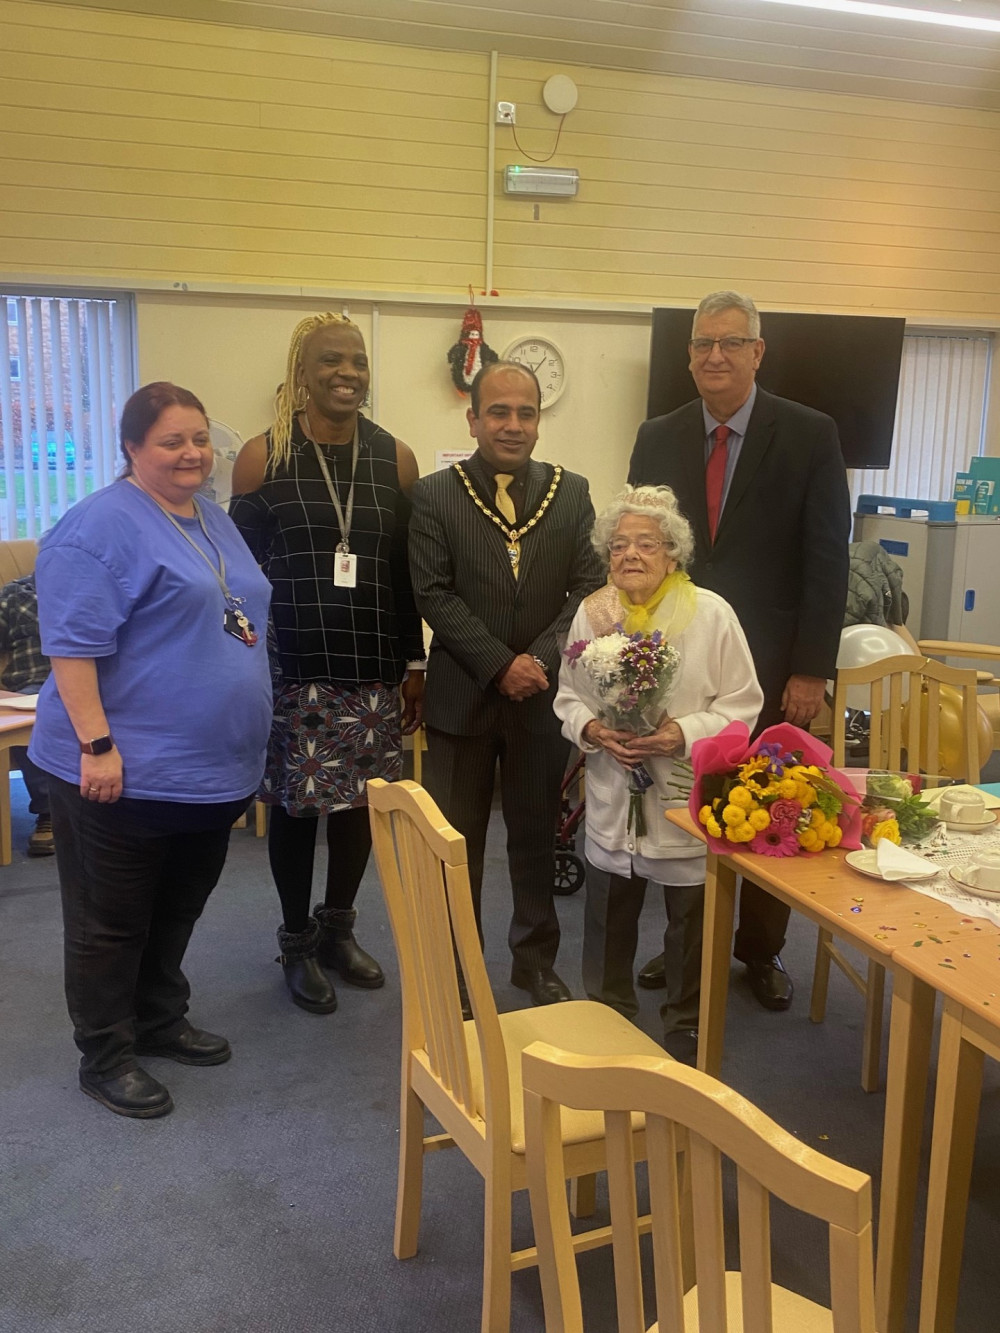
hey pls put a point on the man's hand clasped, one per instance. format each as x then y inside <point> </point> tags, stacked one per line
<point>522,678</point>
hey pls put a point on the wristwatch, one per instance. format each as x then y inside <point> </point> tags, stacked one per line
<point>100,745</point>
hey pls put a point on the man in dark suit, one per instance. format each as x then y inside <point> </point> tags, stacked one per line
<point>500,556</point>
<point>762,481</point>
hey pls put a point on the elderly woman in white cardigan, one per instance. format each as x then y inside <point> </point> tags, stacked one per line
<point>647,542</point>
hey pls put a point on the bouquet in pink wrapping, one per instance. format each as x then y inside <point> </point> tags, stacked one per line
<point>776,795</point>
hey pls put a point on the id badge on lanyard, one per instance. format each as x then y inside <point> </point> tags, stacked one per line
<point>345,569</point>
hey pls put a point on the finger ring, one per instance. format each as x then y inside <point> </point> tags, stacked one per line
<point>93,789</point>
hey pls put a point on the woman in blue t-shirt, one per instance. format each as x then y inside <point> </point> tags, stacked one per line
<point>153,728</point>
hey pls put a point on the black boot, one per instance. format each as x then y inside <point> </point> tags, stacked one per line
<point>340,950</point>
<point>307,983</point>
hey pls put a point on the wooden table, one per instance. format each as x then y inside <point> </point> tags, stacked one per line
<point>890,919</point>
<point>15,729</point>
<point>969,979</point>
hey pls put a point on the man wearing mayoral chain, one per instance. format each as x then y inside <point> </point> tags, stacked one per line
<point>500,556</point>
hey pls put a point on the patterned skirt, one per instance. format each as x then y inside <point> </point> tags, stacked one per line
<point>327,739</point>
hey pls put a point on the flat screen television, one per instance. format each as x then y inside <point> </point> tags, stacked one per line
<point>844,365</point>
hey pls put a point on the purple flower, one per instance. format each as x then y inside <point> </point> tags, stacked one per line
<point>573,652</point>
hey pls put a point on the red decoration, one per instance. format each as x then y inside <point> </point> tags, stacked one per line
<point>470,353</point>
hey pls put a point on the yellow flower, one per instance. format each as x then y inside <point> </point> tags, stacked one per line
<point>742,832</point>
<point>733,816</point>
<point>704,814</point>
<point>759,819</point>
<point>752,766</point>
<point>806,794</point>
<point>835,836</point>
<point>810,841</point>
<point>817,818</point>
<point>713,827</point>
<point>887,828</point>
<point>788,789</point>
<point>741,797</point>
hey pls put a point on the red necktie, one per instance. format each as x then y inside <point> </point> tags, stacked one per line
<point>715,476</point>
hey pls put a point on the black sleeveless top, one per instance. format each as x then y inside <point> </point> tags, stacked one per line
<point>365,633</point>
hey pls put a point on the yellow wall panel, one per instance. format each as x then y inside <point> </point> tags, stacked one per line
<point>148,149</point>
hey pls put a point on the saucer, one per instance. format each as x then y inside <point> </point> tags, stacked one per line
<point>864,862</point>
<point>955,873</point>
<point>980,826</point>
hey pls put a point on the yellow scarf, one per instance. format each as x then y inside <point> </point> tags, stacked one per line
<point>638,617</point>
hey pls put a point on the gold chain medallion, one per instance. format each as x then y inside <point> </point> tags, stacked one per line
<point>512,535</point>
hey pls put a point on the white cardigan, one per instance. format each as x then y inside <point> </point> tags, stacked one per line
<point>715,684</point>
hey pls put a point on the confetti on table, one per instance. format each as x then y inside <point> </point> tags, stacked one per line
<point>920,925</point>
<point>950,966</point>
<point>966,955</point>
<point>880,936</point>
<point>917,944</point>
<point>935,939</point>
<point>855,909</point>
<point>857,900</point>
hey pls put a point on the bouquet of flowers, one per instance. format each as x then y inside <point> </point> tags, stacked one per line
<point>777,796</point>
<point>631,676</point>
<point>892,809</point>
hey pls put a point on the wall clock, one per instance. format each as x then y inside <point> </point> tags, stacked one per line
<point>543,357</point>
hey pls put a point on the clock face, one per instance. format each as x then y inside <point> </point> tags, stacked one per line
<point>543,357</point>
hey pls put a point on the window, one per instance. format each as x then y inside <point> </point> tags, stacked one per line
<point>70,367</point>
<point>940,417</point>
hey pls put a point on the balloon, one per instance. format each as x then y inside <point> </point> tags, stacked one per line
<point>950,733</point>
<point>861,645</point>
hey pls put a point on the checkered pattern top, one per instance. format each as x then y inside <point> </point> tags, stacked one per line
<point>366,633</point>
<point>27,667</point>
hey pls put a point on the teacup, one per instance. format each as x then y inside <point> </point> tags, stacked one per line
<point>984,871</point>
<point>962,807</point>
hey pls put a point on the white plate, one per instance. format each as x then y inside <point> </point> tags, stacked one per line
<point>960,826</point>
<point>864,862</point>
<point>956,874</point>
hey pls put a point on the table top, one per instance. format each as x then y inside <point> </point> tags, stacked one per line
<point>965,967</point>
<point>885,916</point>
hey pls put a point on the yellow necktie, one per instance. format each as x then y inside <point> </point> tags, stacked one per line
<point>505,505</point>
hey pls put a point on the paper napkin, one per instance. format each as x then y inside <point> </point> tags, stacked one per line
<point>897,863</point>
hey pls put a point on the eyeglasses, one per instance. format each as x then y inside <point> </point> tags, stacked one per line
<point>644,545</point>
<point>702,346</point>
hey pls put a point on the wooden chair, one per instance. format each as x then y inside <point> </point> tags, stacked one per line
<point>468,1073</point>
<point>684,1105</point>
<point>980,652</point>
<point>890,682</point>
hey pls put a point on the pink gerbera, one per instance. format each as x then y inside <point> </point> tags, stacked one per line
<point>785,812</point>
<point>776,840</point>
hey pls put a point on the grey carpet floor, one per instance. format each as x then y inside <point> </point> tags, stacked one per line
<point>264,1203</point>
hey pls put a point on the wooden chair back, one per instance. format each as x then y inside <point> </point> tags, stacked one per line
<point>908,687</point>
<point>424,870</point>
<point>681,1103</point>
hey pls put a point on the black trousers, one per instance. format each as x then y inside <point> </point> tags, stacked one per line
<point>460,775</point>
<point>131,894</point>
<point>611,934</point>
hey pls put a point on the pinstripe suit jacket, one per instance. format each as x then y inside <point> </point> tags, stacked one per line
<point>482,617</point>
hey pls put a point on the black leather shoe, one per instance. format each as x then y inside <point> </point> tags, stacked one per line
<point>189,1047</point>
<point>653,976</point>
<point>308,985</point>
<point>770,983</point>
<point>545,987</point>
<point>683,1046</point>
<point>339,950</point>
<point>135,1094</point>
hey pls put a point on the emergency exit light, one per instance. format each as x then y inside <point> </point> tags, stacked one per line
<point>557,182</point>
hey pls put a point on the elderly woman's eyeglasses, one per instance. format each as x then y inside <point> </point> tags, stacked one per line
<point>702,346</point>
<point>644,545</point>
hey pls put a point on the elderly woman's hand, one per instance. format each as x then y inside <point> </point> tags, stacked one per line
<point>596,733</point>
<point>667,740</point>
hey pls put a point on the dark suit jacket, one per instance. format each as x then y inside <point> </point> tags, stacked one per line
<point>780,555</point>
<point>482,617</point>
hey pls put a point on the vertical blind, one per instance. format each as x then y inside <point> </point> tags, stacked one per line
<point>940,418</point>
<point>68,370</point>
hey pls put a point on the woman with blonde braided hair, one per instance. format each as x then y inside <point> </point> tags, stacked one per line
<point>322,500</point>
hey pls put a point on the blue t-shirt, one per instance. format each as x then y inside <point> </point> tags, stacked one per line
<point>189,706</point>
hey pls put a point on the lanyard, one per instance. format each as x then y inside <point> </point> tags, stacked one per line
<point>343,546</point>
<point>220,573</point>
